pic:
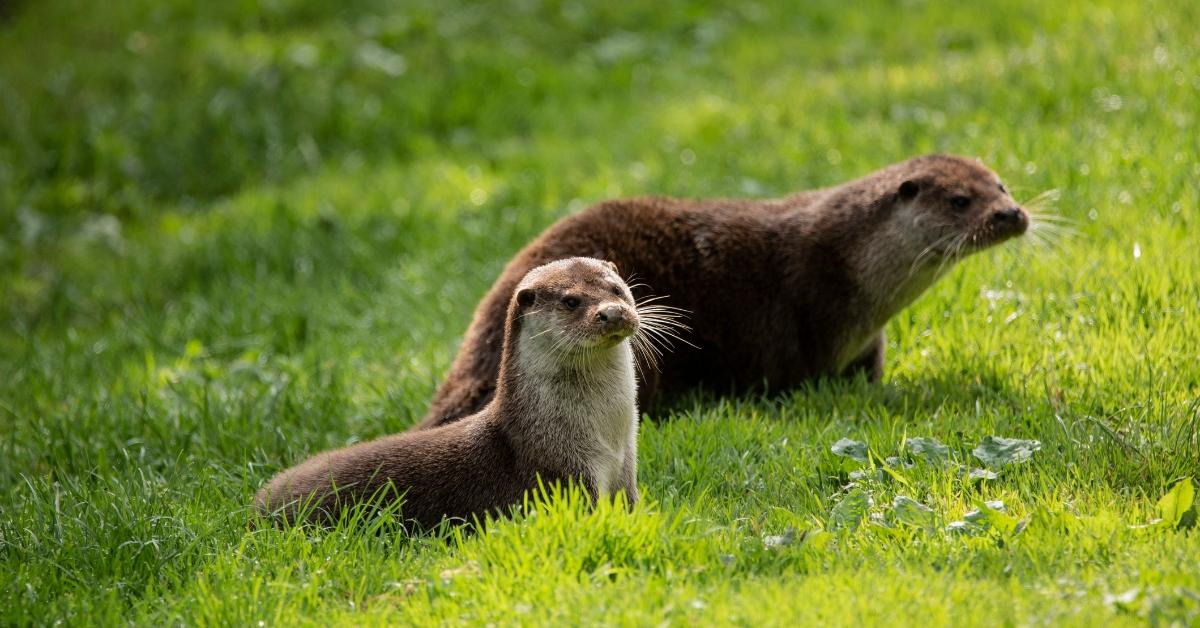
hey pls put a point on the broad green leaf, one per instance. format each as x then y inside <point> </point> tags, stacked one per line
<point>977,517</point>
<point>850,449</point>
<point>963,527</point>
<point>850,511</point>
<point>997,451</point>
<point>881,528</point>
<point>1175,504</point>
<point>911,512</point>
<point>1188,520</point>
<point>978,475</point>
<point>989,515</point>
<point>992,515</point>
<point>930,450</point>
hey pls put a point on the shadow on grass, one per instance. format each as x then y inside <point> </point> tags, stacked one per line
<point>966,390</point>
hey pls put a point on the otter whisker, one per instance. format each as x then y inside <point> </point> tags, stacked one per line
<point>665,333</point>
<point>541,333</point>
<point>654,346</point>
<point>665,318</point>
<point>655,311</point>
<point>1056,229</point>
<point>642,339</point>
<point>1047,218</point>
<point>649,299</point>
<point>645,305</point>
<point>968,238</point>
<point>637,363</point>
<point>665,309</point>
<point>654,321</point>
<point>670,319</point>
<point>653,330</point>
<point>1046,240</point>
<point>529,312</point>
<point>928,252</point>
<point>559,348</point>
<point>948,255</point>
<point>1049,242</point>
<point>660,324</point>
<point>648,353</point>
<point>1053,218</point>
<point>954,251</point>
<point>652,351</point>
<point>661,306</point>
<point>1037,237</point>
<point>1047,197</point>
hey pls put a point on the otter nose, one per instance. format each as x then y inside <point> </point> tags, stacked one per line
<point>611,313</point>
<point>1010,217</point>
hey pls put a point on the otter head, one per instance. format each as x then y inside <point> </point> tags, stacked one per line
<point>955,206</point>
<point>929,212</point>
<point>572,310</point>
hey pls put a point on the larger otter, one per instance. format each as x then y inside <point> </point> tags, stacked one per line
<point>564,409</point>
<point>780,291</point>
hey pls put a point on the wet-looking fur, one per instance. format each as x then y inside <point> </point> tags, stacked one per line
<point>564,409</point>
<point>779,291</point>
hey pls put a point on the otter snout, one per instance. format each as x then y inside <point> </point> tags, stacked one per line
<point>1010,220</point>
<point>616,319</point>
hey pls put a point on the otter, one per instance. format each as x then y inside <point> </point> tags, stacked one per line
<point>564,410</point>
<point>780,291</point>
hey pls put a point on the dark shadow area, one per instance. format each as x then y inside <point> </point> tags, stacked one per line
<point>938,392</point>
<point>9,9</point>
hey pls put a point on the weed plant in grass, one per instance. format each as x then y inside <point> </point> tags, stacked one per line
<point>235,234</point>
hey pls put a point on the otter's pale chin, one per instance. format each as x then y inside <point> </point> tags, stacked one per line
<point>607,340</point>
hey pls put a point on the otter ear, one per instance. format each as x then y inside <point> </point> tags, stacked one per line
<point>908,190</point>
<point>525,298</point>
<point>611,265</point>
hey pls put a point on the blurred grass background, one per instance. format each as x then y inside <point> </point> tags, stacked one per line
<point>233,234</point>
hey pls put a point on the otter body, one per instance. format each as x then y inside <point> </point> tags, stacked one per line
<point>564,411</point>
<point>780,291</point>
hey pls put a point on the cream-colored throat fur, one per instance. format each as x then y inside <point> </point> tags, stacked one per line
<point>901,262</point>
<point>587,404</point>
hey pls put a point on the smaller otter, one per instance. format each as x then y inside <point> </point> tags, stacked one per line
<point>564,410</point>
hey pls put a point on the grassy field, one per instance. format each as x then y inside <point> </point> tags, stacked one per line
<point>236,233</point>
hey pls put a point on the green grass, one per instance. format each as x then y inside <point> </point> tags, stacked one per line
<point>233,234</point>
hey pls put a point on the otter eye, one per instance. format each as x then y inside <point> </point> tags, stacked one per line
<point>571,303</point>
<point>617,291</point>
<point>960,202</point>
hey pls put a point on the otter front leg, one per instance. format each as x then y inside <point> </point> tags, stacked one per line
<point>629,471</point>
<point>631,490</point>
<point>870,363</point>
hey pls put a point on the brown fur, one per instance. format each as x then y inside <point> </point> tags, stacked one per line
<point>780,291</point>
<point>557,413</point>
